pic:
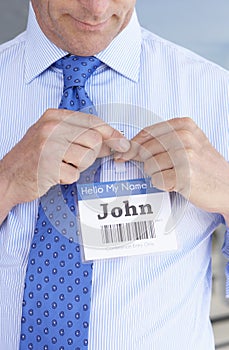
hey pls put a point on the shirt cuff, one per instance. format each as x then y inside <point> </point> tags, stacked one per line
<point>225,250</point>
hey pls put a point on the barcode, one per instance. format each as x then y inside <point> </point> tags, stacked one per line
<point>126,232</point>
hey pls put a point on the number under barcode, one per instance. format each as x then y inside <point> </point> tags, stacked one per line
<point>126,232</point>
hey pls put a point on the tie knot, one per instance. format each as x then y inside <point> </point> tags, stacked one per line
<point>77,69</point>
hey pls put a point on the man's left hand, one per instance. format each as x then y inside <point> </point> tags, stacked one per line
<point>179,157</point>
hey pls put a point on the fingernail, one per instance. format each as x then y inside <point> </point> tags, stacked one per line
<point>119,161</point>
<point>117,156</point>
<point>124,144</point>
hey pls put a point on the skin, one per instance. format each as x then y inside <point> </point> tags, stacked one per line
<point>176,154</point>
<point>83,27</point>
<point>179,157</point>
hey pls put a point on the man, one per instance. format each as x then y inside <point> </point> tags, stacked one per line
<point>146,301</point>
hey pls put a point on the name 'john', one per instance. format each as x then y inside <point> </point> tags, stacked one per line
<point>128,210</point>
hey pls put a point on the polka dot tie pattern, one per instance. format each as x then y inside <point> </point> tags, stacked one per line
<point>76,71</point>
<point>56,303</point>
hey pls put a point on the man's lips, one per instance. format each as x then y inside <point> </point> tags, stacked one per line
<point>91,26</point>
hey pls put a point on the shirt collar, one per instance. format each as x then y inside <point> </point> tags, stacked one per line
<point>122,55</point>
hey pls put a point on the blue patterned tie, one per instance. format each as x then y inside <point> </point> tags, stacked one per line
<point>56,305</point>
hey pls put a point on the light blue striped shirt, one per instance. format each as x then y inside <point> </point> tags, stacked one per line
<point>154,302</point>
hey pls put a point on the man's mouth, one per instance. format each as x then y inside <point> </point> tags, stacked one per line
<point>91,26</point>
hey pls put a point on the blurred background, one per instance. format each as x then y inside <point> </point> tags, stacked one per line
<point>201,26</point>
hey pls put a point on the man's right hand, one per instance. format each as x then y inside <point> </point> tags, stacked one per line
<point>59,146</point>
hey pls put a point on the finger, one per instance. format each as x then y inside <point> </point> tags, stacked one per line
<point>88,138</point>
<point>112,136</point>
<point>63,132</point>
<point>165,180</point>
<point>92,138</point>
<point>164,143</point>
<point>105,151</point>
<point>144,138</point>
<point>163,137</point>
<point>152,147</point>
<point>166,127</point>
<point>68,174</point>
<point>132,153</point>
<point>79,156</point>
<point>117,142</point>
<point>158,163</point>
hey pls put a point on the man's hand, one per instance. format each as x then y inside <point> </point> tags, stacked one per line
<point>55,150</point>
<point>179,157</point>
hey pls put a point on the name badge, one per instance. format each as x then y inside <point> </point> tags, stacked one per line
<point>124,218</point>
